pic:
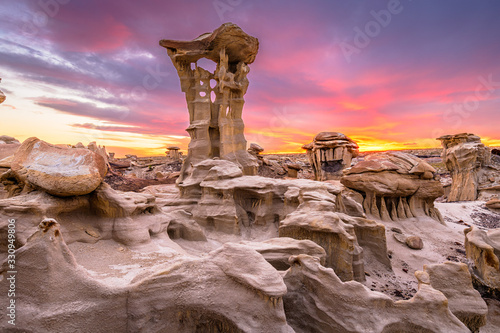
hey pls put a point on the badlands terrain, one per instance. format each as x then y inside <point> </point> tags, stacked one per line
<point>227,238</point>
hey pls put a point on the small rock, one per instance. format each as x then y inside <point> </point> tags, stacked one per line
<point>399,237</point>
<point>399,231</point>
<point>414,242</point>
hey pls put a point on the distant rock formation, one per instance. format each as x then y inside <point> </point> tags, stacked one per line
<point>467,159</point>
<point>215,100</point>
<point>329,153</point>
<point>173,153</point>
<point>395,185</point>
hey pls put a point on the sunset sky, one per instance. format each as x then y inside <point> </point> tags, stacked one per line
<point>389,74</point>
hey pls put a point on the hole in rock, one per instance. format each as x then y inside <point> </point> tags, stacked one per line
<point>203,94</point>
<point>213,83</point>
<point>331,166</point>
<point>193,66</point>
<point>206,64</point>
<point>212,96</point>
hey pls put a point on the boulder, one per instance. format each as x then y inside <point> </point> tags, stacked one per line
<point>58,171</point>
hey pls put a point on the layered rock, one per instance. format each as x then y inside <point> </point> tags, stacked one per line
<point>55,294</point>
<point>216,127</point>
<point>483,250</point>
<point>318,301</point>
<point>468,161</point>
<point>128,218</point>
<point>58,171</point>
<point>395,186</point>
<point>464,301</point>
<point>329,153</point>
<point>277,251</point>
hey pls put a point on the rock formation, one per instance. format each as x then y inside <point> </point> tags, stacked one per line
<point>55,294</point>
<point>483,250</point>
<point>318,301</point>
<point>173,153</point>
<point>58,171</point>
<point>468,161</point>
<point>395,185</point>
<point>329,153</point>
<point>216,127</point>
<point>464,301</point>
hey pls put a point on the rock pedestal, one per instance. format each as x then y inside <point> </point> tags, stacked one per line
<point>215,100</point>
<point>330,153</point>
<point>173,153</point>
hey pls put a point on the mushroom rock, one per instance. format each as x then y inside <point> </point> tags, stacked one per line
<point>216,125</point>
<point>173,153</point>
<point>482,248</point>
<point>318,301</point>
<point>329,153</point>
<point>464,301</point>
<point>395,186</point>
<point>468,161</point>
<point>58,171</point>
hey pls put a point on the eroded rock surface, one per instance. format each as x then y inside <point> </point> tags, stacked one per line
<point>454,281</point>
<point>395,185</point>
<point>184,295</point>
<point>318,301</point>
<point>483,250</point>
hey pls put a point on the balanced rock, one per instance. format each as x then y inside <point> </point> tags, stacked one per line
<point>329,153</point>
<point>396,186</point>
<point>255,149</point>
<point>58,171</point>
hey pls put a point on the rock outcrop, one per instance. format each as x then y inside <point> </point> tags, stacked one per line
<point>395,186</point>
<point>329,153</point>
<point>128,218</point>
<point>58,171</point>
<point>468,161</point>
<point>215,100</point>
<point>464,301</point>
<point>483,250</point>
<point>318,301</point>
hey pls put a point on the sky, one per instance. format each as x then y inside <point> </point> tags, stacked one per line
<point>389,74</point>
